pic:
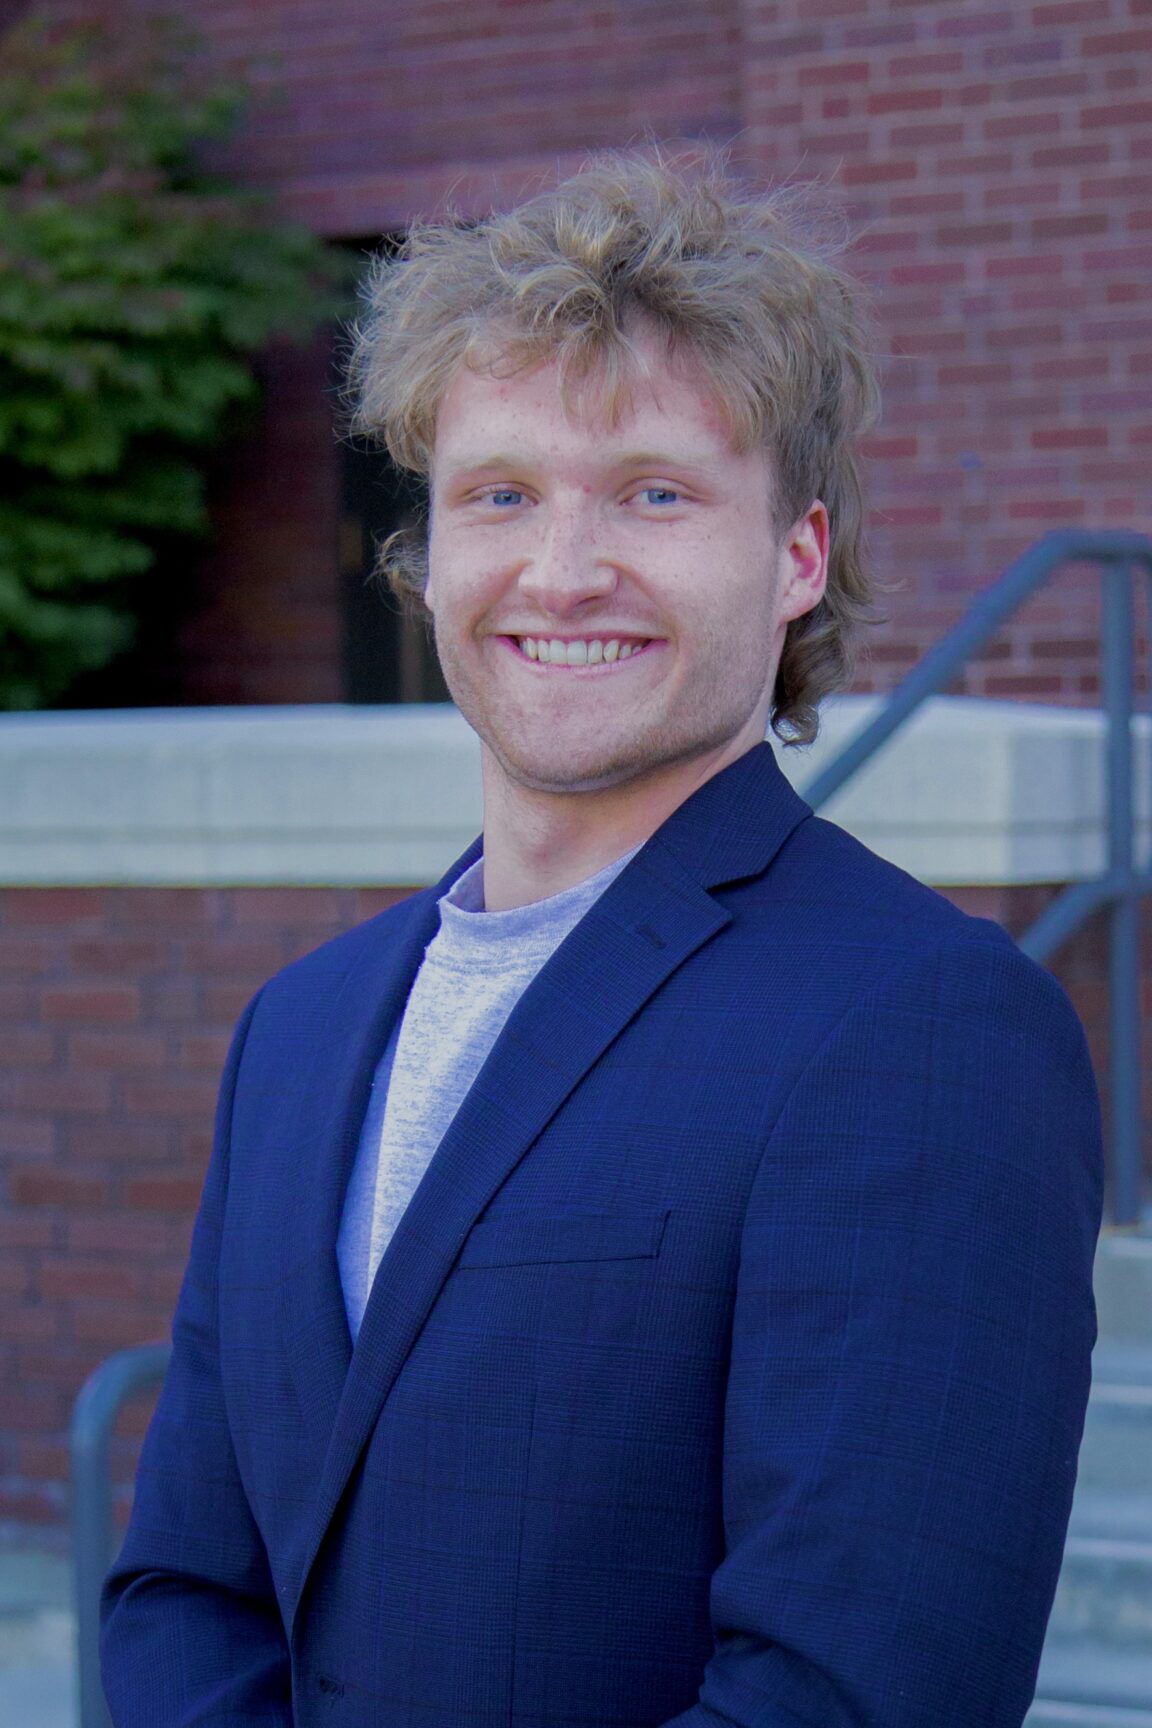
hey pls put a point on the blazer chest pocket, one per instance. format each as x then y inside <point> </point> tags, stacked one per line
<point>529,1239</point>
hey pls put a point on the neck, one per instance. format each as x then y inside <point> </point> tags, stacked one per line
<point>538,843</point>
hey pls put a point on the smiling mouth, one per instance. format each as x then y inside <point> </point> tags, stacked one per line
<point>581,650</point>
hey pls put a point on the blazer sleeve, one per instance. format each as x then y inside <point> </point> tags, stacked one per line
<point>910,1360</point>
<point>190,1628</point>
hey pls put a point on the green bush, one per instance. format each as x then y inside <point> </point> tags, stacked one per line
<point>136,287</point>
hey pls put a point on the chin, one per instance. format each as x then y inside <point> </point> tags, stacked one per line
<point>569,772</point>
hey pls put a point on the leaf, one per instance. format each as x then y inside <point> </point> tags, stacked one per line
<point>137,288</point>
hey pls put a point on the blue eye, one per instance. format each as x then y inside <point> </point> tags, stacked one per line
<point>505,496</point>
<point>660,495</point>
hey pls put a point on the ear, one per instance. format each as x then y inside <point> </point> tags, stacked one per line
<point>804,555</point>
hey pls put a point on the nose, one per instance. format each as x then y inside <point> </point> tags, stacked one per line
<point>568,566</point>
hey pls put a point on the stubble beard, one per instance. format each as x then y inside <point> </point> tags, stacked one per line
<point>588,767</point>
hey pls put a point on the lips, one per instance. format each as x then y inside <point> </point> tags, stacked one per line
<point>579,650</point>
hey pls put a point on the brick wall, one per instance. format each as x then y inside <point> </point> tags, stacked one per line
<point>995,160</point>
<point>116,1007</point>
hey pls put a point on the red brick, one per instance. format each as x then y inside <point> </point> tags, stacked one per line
<point>905,101</point>
<point>974,23</point>
<point>1069,227</point>
<point>121,1233</point>
<point>115,954</point>
<point>32,1187</point>
<point>1024,336</point>
<point>977,372</point>
<point>1117,42</point>
<point>43,1461</point>
<point>931,63</point>
<point>972,234</point>
<point>1046,509</point>
<point>163,1193</point>
<point>1070,12</point>
<point>1078,155</point>
<point>1023,194</point>
<point>90,1004</point>
<point>116,1325</point>
<point>973,165</point>
<point>239,953</point>
<point>170,1094</point>
<point>53,906</point>
<point>1109,186</point>
<point>172,907</point>
<point>878,172</point>
<point>117,1051</point>
<point>1118,114</point>
<point>1124,78</point>
<point>936,272</point>
<point>64,1279</point>
<point>1069,438</point>
<point>927,132</point>
<point>1043,88</point>
<point>31,1505</point>
<point>256,906</point>
<point>1004,126</point>
<point>1044,265</point>
<point>115,1140</point>
<point>61,1092</point>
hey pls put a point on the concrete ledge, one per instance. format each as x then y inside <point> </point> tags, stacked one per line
<point>972,792</point>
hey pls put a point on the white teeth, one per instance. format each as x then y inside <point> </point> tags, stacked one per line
<point>552,651</point>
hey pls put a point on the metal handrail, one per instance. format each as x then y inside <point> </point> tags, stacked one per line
<point>1122,884</point>
<point>94,1414</point>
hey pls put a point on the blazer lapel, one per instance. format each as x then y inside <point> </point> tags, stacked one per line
<point>647,923</point>
<point>313,1321</point>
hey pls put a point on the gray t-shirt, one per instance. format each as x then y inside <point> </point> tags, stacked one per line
<point>474,971</point>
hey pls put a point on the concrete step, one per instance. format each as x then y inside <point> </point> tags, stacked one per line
<point>1106,1686</point>
<point>1054,1715</point>
<point>37,1641</point>
<point>1104,1597</point>
<point>1116,1453</point>
<point>1123,1283</point>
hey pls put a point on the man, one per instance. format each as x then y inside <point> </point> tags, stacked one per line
<point>644,1279</point>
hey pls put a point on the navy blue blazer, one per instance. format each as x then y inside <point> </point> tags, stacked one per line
<point>728,1366</point>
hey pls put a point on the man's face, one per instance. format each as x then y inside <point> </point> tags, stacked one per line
<point>610,599</point>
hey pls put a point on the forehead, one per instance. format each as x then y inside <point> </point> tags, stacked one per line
<point>658,397</point>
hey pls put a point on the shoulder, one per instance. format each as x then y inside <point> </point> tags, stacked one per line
<point>324,971</point>
<point>846,939</point>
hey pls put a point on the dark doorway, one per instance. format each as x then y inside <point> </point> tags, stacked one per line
<point>389,655</point>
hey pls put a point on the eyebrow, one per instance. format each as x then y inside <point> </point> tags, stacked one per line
<point>655,461</point>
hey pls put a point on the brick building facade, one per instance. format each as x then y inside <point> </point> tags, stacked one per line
<point>996,162</point>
